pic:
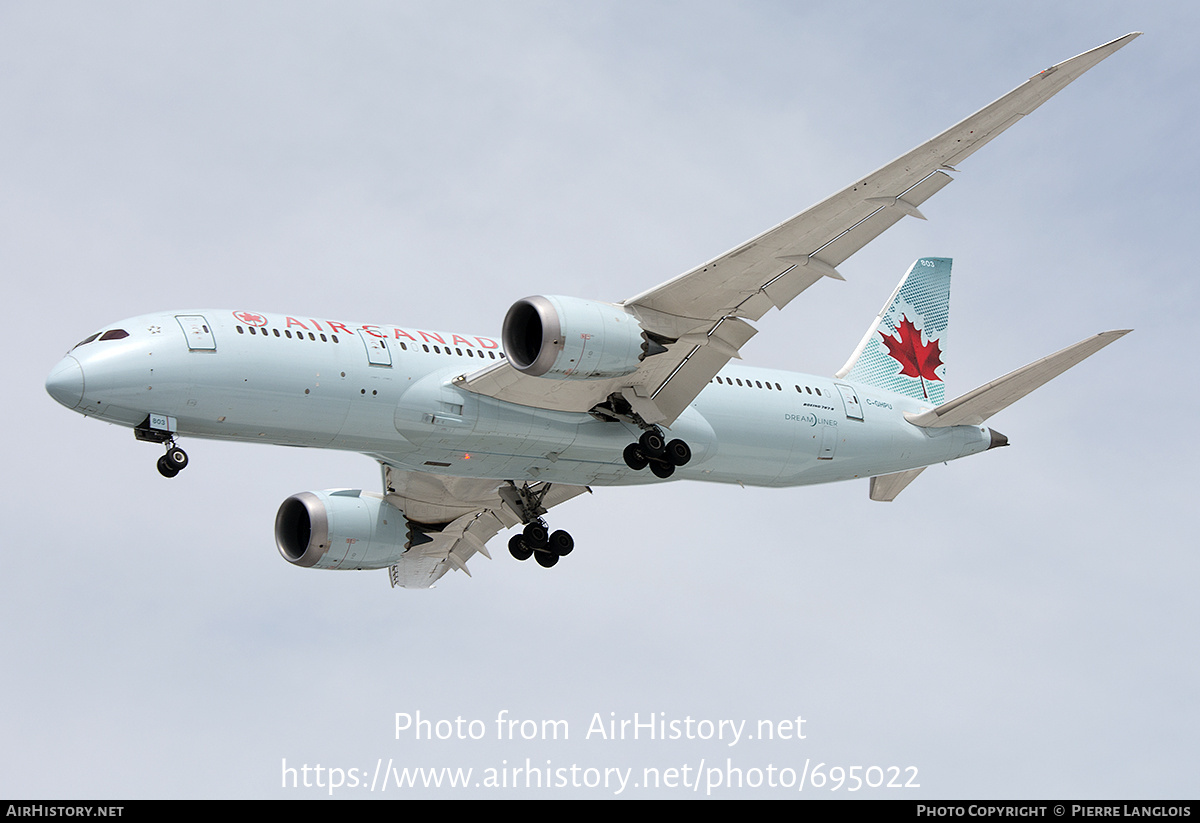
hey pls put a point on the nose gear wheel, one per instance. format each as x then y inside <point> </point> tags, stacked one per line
<point>173,462</point>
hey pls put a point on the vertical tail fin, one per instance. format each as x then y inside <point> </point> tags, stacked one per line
<point>904,347</point>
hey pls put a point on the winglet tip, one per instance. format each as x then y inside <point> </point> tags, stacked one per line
<point>1093,56</point>
<point>1124,39</point>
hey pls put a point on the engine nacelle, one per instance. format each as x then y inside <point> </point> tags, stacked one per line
<point>566,338</point>
<point>342,529</point>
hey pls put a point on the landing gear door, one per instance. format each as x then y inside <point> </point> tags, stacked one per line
<point>378,353</point>
<point>850,401</point>
<point>197,332</point>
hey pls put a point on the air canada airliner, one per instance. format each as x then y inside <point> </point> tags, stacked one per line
<point>474,435</point>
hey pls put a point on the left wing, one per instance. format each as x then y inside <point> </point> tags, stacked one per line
<point>696,322</point>
<point>452,518</point>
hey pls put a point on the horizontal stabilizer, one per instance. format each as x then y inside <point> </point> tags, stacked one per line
<point>885,487</point>
<point>978,405</point>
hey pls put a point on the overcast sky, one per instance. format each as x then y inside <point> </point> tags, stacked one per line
<point>1018,624</point>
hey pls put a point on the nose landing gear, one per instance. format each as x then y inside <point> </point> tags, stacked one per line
<point>173,462</point>
<point>159,428</point>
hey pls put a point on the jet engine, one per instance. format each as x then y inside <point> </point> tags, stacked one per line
<point>567,338</point>
<point>340,529</point>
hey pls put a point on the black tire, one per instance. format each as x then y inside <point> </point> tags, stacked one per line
<point>165,469</point>
<point>561,543</point>
<point>536,536</point>
<point>176,458</point>
<point>652,444</point>
<point>663,470</point>
<point>679,453</point>
<point>635,458</point>
<point>518,549</point>
<point>545,559</point>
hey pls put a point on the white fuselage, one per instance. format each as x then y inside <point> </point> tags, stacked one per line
<point>387,392</point>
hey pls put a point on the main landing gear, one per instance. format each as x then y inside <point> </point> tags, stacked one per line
<point>173,462</point>
<point>535,540</point>
<point>541,544</point>
<point>653,450</point>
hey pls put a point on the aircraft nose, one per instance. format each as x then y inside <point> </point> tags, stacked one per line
<point>65,383</point>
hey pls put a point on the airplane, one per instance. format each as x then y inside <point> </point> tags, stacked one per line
<point>475,435</point>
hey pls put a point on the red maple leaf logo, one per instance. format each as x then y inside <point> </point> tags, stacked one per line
<point>916,359</point>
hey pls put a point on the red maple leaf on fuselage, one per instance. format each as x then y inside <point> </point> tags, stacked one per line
<point>916,359</point>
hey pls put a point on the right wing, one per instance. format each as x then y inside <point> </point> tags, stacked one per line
<point>700,316</point>
<point>771,269</point>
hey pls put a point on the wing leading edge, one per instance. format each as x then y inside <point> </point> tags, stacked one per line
<point>701,316</point>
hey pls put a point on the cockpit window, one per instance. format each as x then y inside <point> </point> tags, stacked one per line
<point>111,334</point>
